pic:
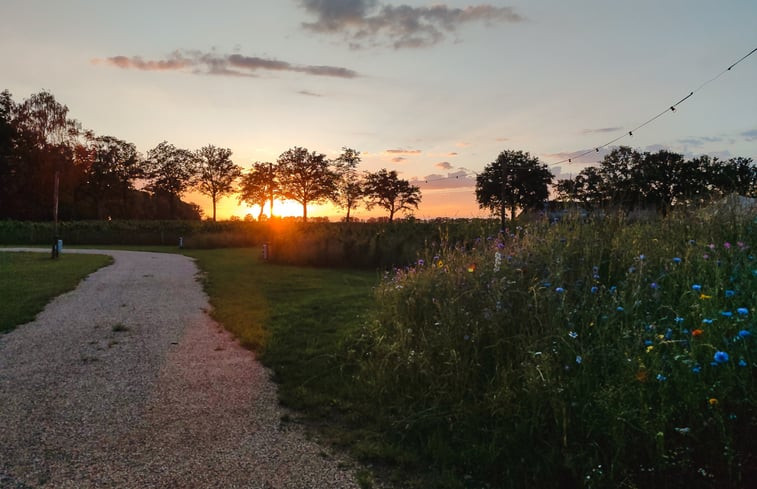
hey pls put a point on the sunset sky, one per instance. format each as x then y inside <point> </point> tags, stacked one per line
<point>431,89</point>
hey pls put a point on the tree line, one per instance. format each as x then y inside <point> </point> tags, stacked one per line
<point>47,161</point>
<point>625,179</point>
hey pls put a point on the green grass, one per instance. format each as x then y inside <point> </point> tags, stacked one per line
<point>297,318</point>
<point>28,281</point>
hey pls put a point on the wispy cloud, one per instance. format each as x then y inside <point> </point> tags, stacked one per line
<point>458,179</point>
<point>452,154</point>
<point>309,93</point>
<point>601,130</point>
<point>369,22</point>
<point>700,141</point>
<point>462,144</point>
<point>590,156</point>
<point>197,62</point>
<point>444,165</point>
<point>404,151</point>
<point>750,135</point>
<point>398,159</point>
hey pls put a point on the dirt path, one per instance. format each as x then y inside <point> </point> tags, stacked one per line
<point>127,382</point>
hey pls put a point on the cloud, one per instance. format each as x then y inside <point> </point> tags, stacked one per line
<point>580,156</point>
<point>197,62</point>
<point>309,94</point>
<point>444,165</point>
<point>462,144</point>
<point>458,179</point>
<point>601,130</point>
<point>501,140</point>
<point>452,154</point>
<point>399,159</point>
<point>404,151</point>
<point>401,26</point>
<point>750,135</point>
<point>700,141</point>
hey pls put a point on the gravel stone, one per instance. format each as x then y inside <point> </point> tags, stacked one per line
<point>127,382</point>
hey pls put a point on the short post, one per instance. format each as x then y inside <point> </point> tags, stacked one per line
<point>181,242</point>
<point>265,251</point>
<point>57,247</point>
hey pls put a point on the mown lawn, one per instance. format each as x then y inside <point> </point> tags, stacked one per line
<point>28,281</point>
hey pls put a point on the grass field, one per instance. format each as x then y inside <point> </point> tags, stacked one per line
<point>28,281</point>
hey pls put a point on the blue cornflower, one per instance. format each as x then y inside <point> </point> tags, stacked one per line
<point>631,269</point>
<point>743,311</point>
<point>696,369</point>
<point>729,293</point>
<point>654,285</point>
<point>421,262</point>
<point>742,363</point>
<point>720,357</point>
<point>613,289</point>
<point>559,290</point>
<point>676,260</point>
<point>573,335</point>
<point>642,257</point>
<point>726,314</point>
<point>620,309</point>
<point>678,319</point>
<point>706,321</point>
<point>696,287</point>
<point>594,290</point>
<point>579,359</point>
<point>547,284</point>
<point>668,333</point>
<point>661,378</point>
<point>648,342</point>
<point>745,333</point>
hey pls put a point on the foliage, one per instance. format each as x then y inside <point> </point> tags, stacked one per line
<point>259,185</point>
<point>305,177</point>
<point>216,173</point>
<point>171,171</point>
<point>96,175</point>
<point>629,180</point>
<point>28,281</point>
<point>349,185</point>
<point>384,189</point>
<point>515,180</point>
<point>599,354</point>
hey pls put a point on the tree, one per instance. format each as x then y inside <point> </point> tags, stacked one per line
<point>386,190</point>
<point>349,186</point>
<point>171,172</point>
<point>584,189</point>
<point>216,173</point>
<point>515,180</point>
<point>258,186</point>
<point>110,167</point>
<point>305,177</point>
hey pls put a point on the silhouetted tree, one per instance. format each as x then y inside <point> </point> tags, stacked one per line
<point>216,173</point>
<point>259,185</point>
<point>386,190</point>
<point>736,175</point>
<point>349,184</point>
<point>584,189</point>
<point>171,172</point>
<point>305,177</point>
<point>112,167</point>
<point>515,180</point>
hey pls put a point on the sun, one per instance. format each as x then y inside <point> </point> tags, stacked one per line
<point>281,208</point>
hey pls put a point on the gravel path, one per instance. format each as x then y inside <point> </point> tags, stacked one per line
<point>127,382</point>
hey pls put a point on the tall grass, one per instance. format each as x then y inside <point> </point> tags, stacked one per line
<point>603,354</point>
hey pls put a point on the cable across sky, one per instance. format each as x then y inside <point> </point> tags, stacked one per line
<point>628,133</point>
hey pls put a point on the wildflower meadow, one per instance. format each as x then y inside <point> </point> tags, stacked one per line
<point>575,354</point>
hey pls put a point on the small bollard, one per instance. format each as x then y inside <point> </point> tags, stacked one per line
<point>265,251</point>
<point>181,242</point>
<point>57,246</point>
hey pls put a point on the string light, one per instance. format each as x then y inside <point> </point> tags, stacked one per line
<point>630,133</point>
